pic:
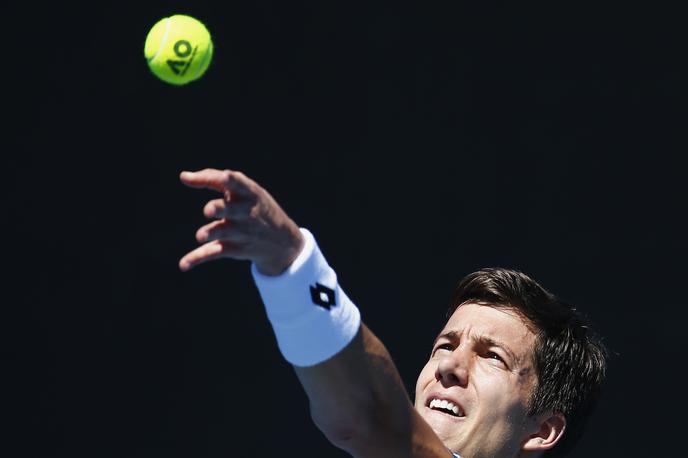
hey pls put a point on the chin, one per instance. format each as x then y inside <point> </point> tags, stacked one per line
<point>447,429</point>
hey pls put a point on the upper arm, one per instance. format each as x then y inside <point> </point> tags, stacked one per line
<point>359,401</point>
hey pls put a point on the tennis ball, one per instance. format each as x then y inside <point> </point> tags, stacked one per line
<point>178,49</point>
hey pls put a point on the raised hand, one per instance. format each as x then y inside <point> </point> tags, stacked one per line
<point>248,224</point>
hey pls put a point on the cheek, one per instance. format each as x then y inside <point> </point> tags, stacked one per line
<point>491,385</point>
<point>426,377</point>
<point>503,397</point>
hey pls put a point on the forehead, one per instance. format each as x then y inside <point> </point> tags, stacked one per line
<point>500,324</point>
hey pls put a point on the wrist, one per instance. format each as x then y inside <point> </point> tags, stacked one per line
<point>312,317</point>
<point>280,260</point>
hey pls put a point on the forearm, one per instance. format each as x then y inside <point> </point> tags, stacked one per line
<point>356,395</point>
<point>346,388</point>
<point>358,400</point>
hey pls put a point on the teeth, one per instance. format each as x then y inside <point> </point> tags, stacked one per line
<point>444,404</point>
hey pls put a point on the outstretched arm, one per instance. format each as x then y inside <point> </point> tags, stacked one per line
<point>356,396</point>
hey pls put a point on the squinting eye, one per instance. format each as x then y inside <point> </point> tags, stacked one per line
<point>493,355</point>
<point>445,346</point>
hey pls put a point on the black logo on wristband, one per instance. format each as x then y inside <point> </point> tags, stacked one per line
<point>323,296</point>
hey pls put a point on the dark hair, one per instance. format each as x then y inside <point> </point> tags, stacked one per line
<point>569,358</point>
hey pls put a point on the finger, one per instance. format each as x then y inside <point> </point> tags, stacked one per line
<point>206,178</point>
<point>221,208</point>
<point>241,184</point>
<point>223,230</point>
<point>208,252</point>
<point>218,180</point>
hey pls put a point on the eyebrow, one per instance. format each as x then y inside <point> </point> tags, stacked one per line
<point>487,340</point>
<point>451,335</point>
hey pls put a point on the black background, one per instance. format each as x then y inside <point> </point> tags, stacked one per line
<point>417,141</point>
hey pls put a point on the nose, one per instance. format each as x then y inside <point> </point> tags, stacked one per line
<point>452,368</point>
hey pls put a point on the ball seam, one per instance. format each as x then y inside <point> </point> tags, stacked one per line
<point>206,56</point>
<point>164,39</point>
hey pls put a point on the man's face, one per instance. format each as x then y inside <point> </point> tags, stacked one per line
<point>482,364</point>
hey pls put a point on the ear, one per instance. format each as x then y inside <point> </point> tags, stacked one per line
<point>552,426</point>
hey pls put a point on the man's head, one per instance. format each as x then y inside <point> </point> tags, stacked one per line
<point>520,367</point>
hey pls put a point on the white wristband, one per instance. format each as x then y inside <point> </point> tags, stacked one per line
<point>312,317</point>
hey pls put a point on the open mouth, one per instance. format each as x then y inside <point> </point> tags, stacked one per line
<point>447,407</point>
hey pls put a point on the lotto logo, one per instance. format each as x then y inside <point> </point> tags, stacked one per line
<point>323,296</point>
<point>186,53</point>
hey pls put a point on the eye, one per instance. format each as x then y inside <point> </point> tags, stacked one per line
<point>445,346</point>
<point>495,356</point>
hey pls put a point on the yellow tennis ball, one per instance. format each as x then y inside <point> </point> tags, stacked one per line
<point>178,49</point>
